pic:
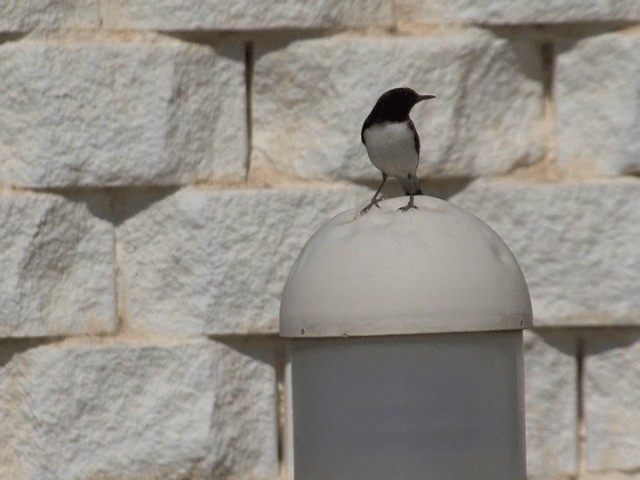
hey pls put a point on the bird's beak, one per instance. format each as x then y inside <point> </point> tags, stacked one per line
<point>425,97</point>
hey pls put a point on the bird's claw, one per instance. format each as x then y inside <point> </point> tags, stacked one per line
<point>373,202</point>
<point>407,207</point>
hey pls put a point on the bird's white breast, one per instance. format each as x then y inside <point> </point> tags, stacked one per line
<point>391,148</point>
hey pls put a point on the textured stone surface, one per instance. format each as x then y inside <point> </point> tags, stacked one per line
<point>246,15</point>
<point>130,411</point>
<point>576,243</point>
<point>612,475</point>
<point>612,402</point>
<point>21,15</point>
<point>133,112</point>
<point>312,96</point>
<point>58,265</point>
<point>210,262</point>
<point>551,400</point>
<point>515,11</point>
<point>597,92</point>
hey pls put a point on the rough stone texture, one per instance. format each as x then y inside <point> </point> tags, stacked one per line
<point>25,15</point>
<point>245,15</point>
<point>215,262</point>
<point>611,476</point>
<point>498,12</point>
<point>597,92</point>
<point>131,411</point>
<point>551,400</point>
<point>99,104</point>
<point>58,265</point>
<point>486,118</point>
<point>576,243</point>
<point>612,403</point>
<point>132,112</point>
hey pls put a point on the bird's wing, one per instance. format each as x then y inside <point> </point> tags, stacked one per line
<point>416,137</point>
<point>366,125</point>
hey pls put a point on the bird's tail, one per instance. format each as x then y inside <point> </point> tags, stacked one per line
<point>411,185</point>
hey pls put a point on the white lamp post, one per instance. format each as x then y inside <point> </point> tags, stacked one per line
<point>406,348</point>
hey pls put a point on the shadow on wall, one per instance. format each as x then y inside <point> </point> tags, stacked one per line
<point>16,346</point>
<point>571,341</point>
<point>263,349</point>
<point>12,36</point>
<point>117,205</point>
<point>439,187</point>
<point>609,339</point>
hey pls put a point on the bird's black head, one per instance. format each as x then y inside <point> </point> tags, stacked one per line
<point>395,104</point>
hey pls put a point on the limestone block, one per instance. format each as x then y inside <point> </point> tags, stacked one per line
<point>499,12</point>
<point>613,475</point>
<point>58,265</point>
<point>110,411</point>
<point>108,112</point>
<point>312,96</point>
<point>551,400</point>
<point>576,243</point>
<point>244,15</point>
<point>210,262</point>
<point>597,89</point>
<point>612,403</point>
<point>21,15</point>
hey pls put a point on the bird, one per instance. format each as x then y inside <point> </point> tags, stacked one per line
<point>393,143</point>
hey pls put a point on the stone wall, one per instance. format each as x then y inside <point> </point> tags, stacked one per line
<point>162,163</point>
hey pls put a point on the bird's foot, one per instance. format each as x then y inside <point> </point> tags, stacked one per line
<point>408,206</point>
<point>373,202</point>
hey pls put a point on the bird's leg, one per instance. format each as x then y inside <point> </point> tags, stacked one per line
<point>409,205</point>
<point>375,200</point>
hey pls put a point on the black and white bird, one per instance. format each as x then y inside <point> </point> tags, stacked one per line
<point>393,143</point>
